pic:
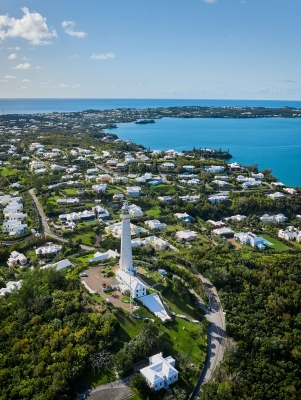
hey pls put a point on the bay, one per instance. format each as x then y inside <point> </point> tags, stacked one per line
<point>32,106</point>
<point>273,143</point>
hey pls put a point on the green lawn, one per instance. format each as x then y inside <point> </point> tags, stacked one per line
<point>180,306</point>
<point>277,245</point>
<point>8,171</point>
<point>128,329</point>
<point>153,212</point>
<point>163,189</point>
<point>100,378</point>
<point>85,237</point>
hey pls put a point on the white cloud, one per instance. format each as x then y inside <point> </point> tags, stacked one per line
<point>39,67</point>
<point>210,1</point>
<point>9,77</point>
<point>23,87</point>
<point>76,86</point>
<point>32,27</point>
<point>68,28</point>
<point>25,58</point>
<point>12,57</point>
<point>22,66</point>
<point>14,48</point>
<point>103,56</point>
<point>25,80</point>
<point>63,85</point>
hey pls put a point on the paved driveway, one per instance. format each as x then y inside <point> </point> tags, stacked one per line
<point>111,394</point>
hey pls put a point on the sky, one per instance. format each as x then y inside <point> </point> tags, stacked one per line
<point>211,49</point>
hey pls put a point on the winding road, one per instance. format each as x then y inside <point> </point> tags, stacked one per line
<point>44,227</point>
<point>216,334</point>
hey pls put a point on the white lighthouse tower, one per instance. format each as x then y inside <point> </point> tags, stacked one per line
<point>126,261</point>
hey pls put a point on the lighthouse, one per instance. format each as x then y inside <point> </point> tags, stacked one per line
<point>126,261</point>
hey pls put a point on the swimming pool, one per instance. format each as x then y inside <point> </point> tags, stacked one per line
<point>267,242</point>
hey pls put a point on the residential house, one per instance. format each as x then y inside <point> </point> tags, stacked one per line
<point>98,256</point>
<point>133,191</point>
<point>276,196</point>
<point>287,235</point>
<point>184,217</point>
<point>250,239</point>
<point>214,199</point>
<point>16,259</point>
<point>156,225</point>
<point>185,236</point>
<point>160,373</point>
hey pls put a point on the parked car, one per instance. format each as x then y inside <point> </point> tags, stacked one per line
<point>104,285</point>
<point>108,301</point>
<point>83,275</point>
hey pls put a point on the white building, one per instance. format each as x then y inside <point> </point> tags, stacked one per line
<point>133,191</point>
<point>68,202</point>
<point>102,187</point>
<point>287,235</point>
<point>218,198</point>
<point>10,286</point>
<point>59,265</point>
<point>186,236</point>
<point>156,225</point>
<point>48,248</point>
<point>98,256</point>
<point>276,195</point>
<point>16,259</point>
<point>250,239</point>
<point>279,218</point>
<point>135,211</point>
<point>161,372</point>
<point>215,169</point>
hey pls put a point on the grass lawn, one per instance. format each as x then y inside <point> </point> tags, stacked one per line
<point>153,277</point>
<point>70,191</point>
<point>85,237</point>
<point>186,338</point>
<point>153,212</point>
<point>9,171</point>
<point>162,189</point>
<point>277,245</point>
<point>180,306</point>
<point>128,329</point>
<point>174,228</point>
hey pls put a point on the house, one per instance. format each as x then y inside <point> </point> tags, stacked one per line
<point>248,184</point>
<point>16,259</point>
<point>132,283</point>
<point>116,229</point>
<point>215,169</point>
<point>190,199</point>
<point>118,196</point>
<point>14,228</point>
<point>257,176</point>
<point>119,179</point>
<point>161,372</point>
<point>98,256</point>
<point>167,166</point>
<point>194,182</point>
<point>135,211</point>
<point>133,191</point>
<point>102,187</point>
<point>129,159</point>
<point>68,202</point>
<point>186,236</point>
<point>59,265</point>
<point>112,162</point>
<point>10,286</point>
<point>287,235</point>
<point>289,190</point>
<point>55,167</point>
<point>81,215</point>
<point>237,217</point>
<point>234,167</point>
<point>92,171</point>
<point>48,248</point>
<point>104,178</point>
<point>219,183</point>
<point>215,224</point>
<point>276,195</point>
<point>223,231</point>
<point>250,239</point>
<point>188,168</point>
<point>218,198</point>
<point>156,225</point>
<point>165,199</point>
<point>280,218</point>
<point>184,217</point>
<point>102,213</point>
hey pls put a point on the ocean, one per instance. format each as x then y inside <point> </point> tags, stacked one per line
<point>272,143</point>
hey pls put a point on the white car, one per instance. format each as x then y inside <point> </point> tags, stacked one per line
<point>83,275</point>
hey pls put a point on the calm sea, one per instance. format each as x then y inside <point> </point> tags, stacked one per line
<point>270,143</point>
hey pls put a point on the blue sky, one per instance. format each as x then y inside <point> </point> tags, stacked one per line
<point>227,49</point>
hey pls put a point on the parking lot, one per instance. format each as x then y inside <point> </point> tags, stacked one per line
<point>94,280</point>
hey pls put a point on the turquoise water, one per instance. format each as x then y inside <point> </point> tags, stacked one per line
<point>268,243</point>
<point>273,143</point>
<point>31,106</point>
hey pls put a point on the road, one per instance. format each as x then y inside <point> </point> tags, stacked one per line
<point>216,334</point>
<point>44,226</point>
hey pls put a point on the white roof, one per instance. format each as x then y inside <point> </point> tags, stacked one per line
<point>160,369</point>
